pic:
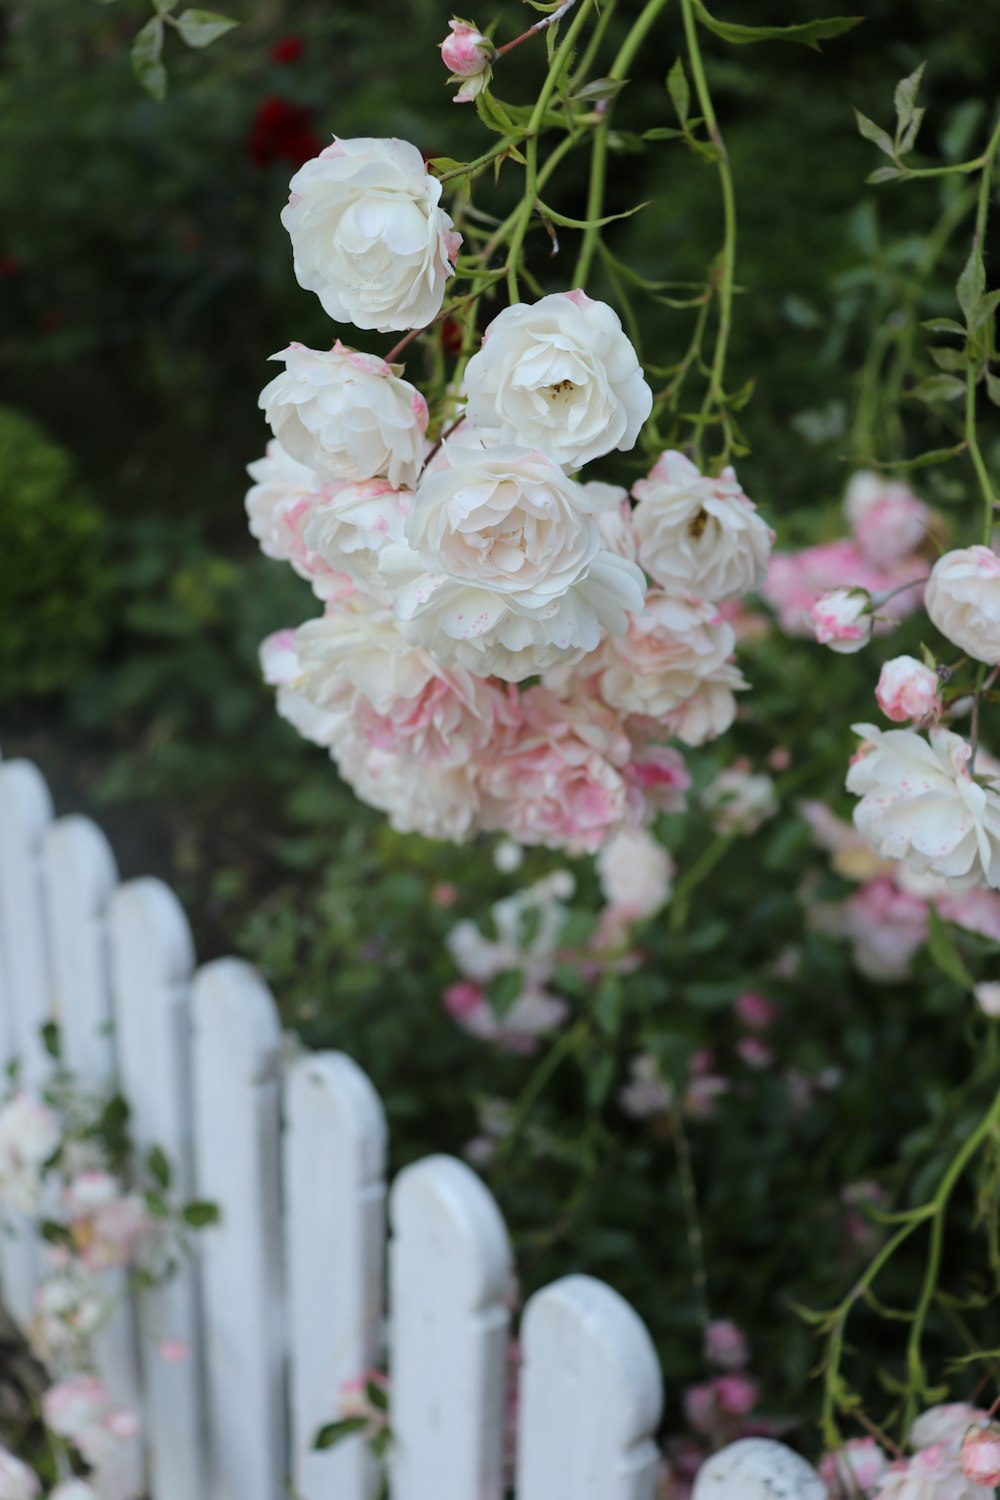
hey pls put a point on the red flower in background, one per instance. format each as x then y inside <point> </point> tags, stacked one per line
<point>282,131</point>
<point>287,49</point>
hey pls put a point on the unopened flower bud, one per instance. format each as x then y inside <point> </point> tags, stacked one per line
<point>467,53</point>
<point>907,689</point>
<point>979,1458</point>
<point>843,619</point>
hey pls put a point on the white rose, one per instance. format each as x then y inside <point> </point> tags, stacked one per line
<point>710,710</point>
<point>919,804</point>
<point>17,1481</point>
<point>931,1474</point>
<point>504,572</point>
<point>739,801</point>
<point>843,619</point>
<point>668,651</point>
<point>635,872</point>
<point>346,415</point>
<point>908,689</point>
<point>280,668</point>
<point>613,514</point>
<point>963,600</point>
<point>947,1423</point>
<point>356,647</point>
<point>369,236</point>
<point>440,802</point>
<point>349,530</point>
<point>560,375</point>
<point>279,506</point>
<point>889,522</point>
<point>699,535</point>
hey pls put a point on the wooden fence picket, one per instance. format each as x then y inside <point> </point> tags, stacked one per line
<point>450,1287</point>
<point>152,958</point>
<point>80,876</point>
<point>236,1045</point>
<point>25,814</point>
<point>590,1396</point>
<point>334,1159</point>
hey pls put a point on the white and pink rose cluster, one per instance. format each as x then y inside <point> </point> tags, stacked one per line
<point>502,647</point>
<point>955,1456</point>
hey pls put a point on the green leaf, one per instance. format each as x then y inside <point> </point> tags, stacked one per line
<point>938,388</point>
<point>944,325</point>
<point>662,133</point>
<point>598,89</point>
<point>599,1081</point>
<point>377,1395</point>
<point>971,284</point>
<point>925,460</point>
<point>952,360</point>
<point>908,115</point>
<point>156,1205</point>
<point>810,33</point>
<point>335,1432</point>
<point>50,1039</point>
<point>987,306</point>
<point>941,947</point>
<point>495,116</point>
<point>679,90</point>
<point>159,1167</point>
<point>201,27</point>
<point>885,174</point>
<point>874,133</point>
<point>146,64</point>
<point>993,388</point>
<point>504,989</point>
<point>198,1214</point>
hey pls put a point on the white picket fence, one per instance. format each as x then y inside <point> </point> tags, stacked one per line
<point>285,1302</point>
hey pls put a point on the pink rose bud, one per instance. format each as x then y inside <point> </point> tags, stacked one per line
<point>755,1011</point>
<point>907,689</point>
<point>843,619</point>
<point>467,54</point>
<point>979,1459</point>
<point>726,1345</point>
<point>736,1394</point>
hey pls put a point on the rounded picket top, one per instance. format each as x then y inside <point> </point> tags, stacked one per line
<point>150,932</point>
<point>25,803</point>
<point>441,1208</point>
<point>80,876</point>
<point>591,1396</point>
<point>758,1468</point>
<point>328,1091</point>
<point>233,1009</point>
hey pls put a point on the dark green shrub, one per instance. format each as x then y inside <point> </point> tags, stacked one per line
<point>53,579</point>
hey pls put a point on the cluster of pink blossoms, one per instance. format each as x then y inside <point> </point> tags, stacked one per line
<point>503,647</point>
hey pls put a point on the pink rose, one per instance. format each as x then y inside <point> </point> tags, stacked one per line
<point>908,689</point>
<point>843,619</point>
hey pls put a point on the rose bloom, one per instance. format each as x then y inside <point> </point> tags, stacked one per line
<point>931,1474</point>
<point>504,572</point>
<point>919,804</point>
<point>107,1225</point>
<point>558,781</point>
<point>908,689</point>
<point>726,1345</point>
<point>349,529</point>
<point>467,55</point>
<point>534,1013</point>
<point>657,778</point>
<point>636,873</point>
<point>29,1134</point>
<point>561,375</point>
<point>886,928</point>
<point>844,620</point>
<point>613,514</point>
<point>67,1311</point>
<point>979,1456</point>
<point>963,601</point>
<point>755,1011</point>
<point>858,1465</point>
<point>346,416</point>
<point>738,801</point>
<point>646,1094</point>
<point>279,506</point>
<point>356,647</point>
<point>796,580</point>
<point>669,649</point>
<point>439,802</point>
<point>699,535</point>
<point>889,522</point>
<point>17,1481</point>
<point>988,997</point>
<point>946,1425</point>
<point>280,668</point>
<point>455,716</point>
<point>369,236</point>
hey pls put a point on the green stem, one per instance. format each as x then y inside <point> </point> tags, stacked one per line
<point>702,867</point>
<point>549,1065</point>
<point>982,474</point>
<point>716,389</point>
<point>917,1383</point>
<point>599,159</point>
<point>527,206</point>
